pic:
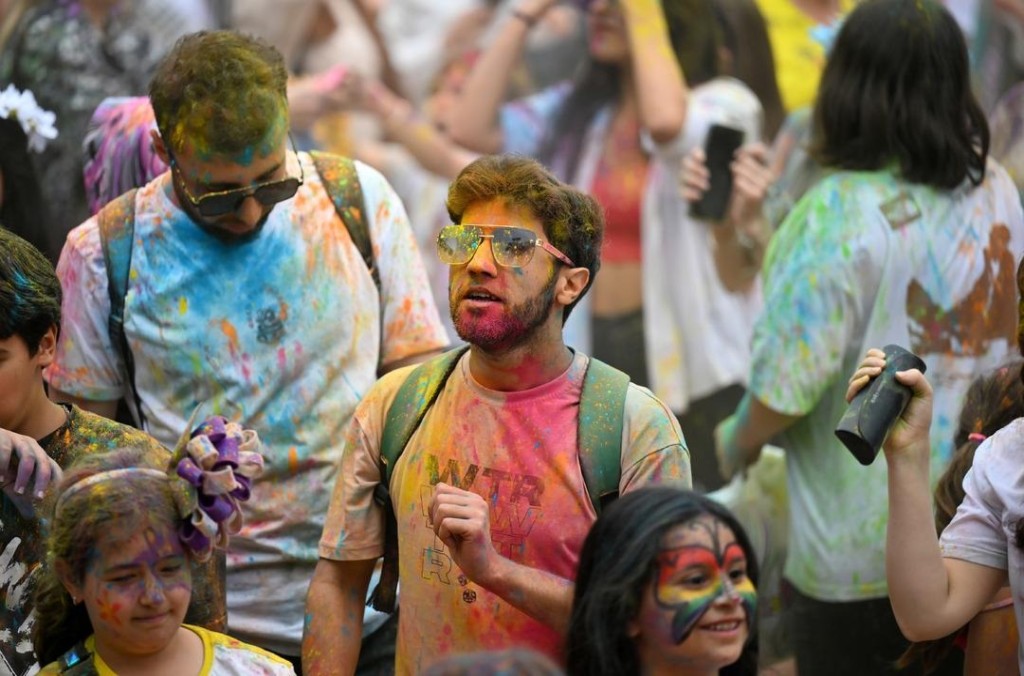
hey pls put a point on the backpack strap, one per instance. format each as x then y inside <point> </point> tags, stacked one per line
<point>77,662</point>
<point>117,233</point>
<point>602,409</point>
<point>601,419</point>
<point>341,180</point>
<point>414,397</point>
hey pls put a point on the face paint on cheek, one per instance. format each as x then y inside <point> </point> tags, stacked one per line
<point>691,579</point>
<point>108,606</point>
<point>745,590</point>
<point>689,604</point>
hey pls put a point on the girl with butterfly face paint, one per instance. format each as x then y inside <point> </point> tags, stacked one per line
<point>666,584</point>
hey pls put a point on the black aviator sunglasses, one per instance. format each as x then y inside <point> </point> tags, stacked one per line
<point>223,202</point>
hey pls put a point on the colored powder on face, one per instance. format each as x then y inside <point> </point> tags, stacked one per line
<point>691,578</point>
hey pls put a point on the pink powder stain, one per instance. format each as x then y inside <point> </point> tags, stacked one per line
<point>282,359</point>
<point>246,370</point>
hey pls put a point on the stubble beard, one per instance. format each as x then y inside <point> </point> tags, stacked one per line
<point>517,325</point>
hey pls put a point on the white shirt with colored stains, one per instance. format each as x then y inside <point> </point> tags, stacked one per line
<point>281,333</point>
<point>866,259</point>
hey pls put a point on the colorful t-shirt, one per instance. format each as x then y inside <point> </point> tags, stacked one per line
<point>519,451</point>
<point>222,656</point>
<point>985,526</point>
<point>281,333</point>
<point>864,260</point>
<point>22,544</point>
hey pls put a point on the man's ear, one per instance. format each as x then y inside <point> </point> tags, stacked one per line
<point>47,348</point>
<point>159,148</point>
<point>571,283</point>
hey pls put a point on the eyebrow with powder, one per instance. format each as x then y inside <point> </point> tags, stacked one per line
<point>218,187</point>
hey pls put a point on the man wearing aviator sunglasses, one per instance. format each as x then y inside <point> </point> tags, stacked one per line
<point>488,496</point>
<point>246,295</point>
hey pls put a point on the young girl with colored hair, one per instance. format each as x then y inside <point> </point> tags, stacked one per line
<point>116,584</point>
<point>666,585</point>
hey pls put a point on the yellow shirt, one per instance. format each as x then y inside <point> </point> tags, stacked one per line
<point>221,655</point>
<point>799,58</point>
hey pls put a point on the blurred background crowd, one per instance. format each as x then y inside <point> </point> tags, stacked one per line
<point>419,88</point>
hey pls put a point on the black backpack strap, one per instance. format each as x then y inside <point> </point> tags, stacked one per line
<point>117,234</point>
<point>414,397</point>
<point>77,662</point>
<point>341,180</point>
<point>602,412</point>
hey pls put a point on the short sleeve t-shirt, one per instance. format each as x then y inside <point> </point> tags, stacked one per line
<point>282,333</point>
<point>222,656</point>
<point>518,451</point>
<point>866,259</point>
<point>983,531</point>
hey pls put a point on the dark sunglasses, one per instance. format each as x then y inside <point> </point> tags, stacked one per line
<point>512,247</point>
<point>221,202</point>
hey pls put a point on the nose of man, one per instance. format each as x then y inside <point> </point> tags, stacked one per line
<point>482,261</point>
<point>250,211</point>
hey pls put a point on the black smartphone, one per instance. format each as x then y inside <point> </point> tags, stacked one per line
<point>719,148</point>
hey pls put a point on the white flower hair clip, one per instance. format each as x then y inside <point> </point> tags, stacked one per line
<point>38,124</point>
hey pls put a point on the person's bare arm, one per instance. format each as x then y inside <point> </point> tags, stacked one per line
<point>931,596</point>
<point>461,519</point>
<point>740,437</point>
<point>107,409</point>
<point>473,123</point>
<point>659,82</point>
<point>334,616</point>
<point>434,151</point>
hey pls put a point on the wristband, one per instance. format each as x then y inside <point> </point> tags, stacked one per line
<point>530,21</point>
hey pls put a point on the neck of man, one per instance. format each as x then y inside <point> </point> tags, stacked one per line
<point>42,419</point>
<point>530,364</point>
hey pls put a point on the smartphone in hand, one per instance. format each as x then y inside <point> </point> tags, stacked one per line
<point>719,148</point>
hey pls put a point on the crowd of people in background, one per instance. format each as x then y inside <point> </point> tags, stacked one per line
<point>401,336</point>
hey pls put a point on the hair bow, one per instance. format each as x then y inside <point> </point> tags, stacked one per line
<point>218,462</point>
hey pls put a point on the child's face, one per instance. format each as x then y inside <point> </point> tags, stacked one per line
<point>695,614</point>
<point>21,379</point>
<point>136,591</point>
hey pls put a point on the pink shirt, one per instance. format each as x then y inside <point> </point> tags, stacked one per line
<point>519,451</point>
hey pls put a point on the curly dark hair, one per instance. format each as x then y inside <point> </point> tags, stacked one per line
<point>221,91</point>
<point>30,292</point>
<point>896,89</point>
<point>617,564</point>
<point>573,220</point>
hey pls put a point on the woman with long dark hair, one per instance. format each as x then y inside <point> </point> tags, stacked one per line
<point>647,93</point>
<point>666,585</point>
<point>911,238</point>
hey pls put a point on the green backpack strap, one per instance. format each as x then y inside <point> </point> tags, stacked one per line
<point>602,409</point>
<point>341,180</point>
<point>414,397</point>
<point>117,231</point>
